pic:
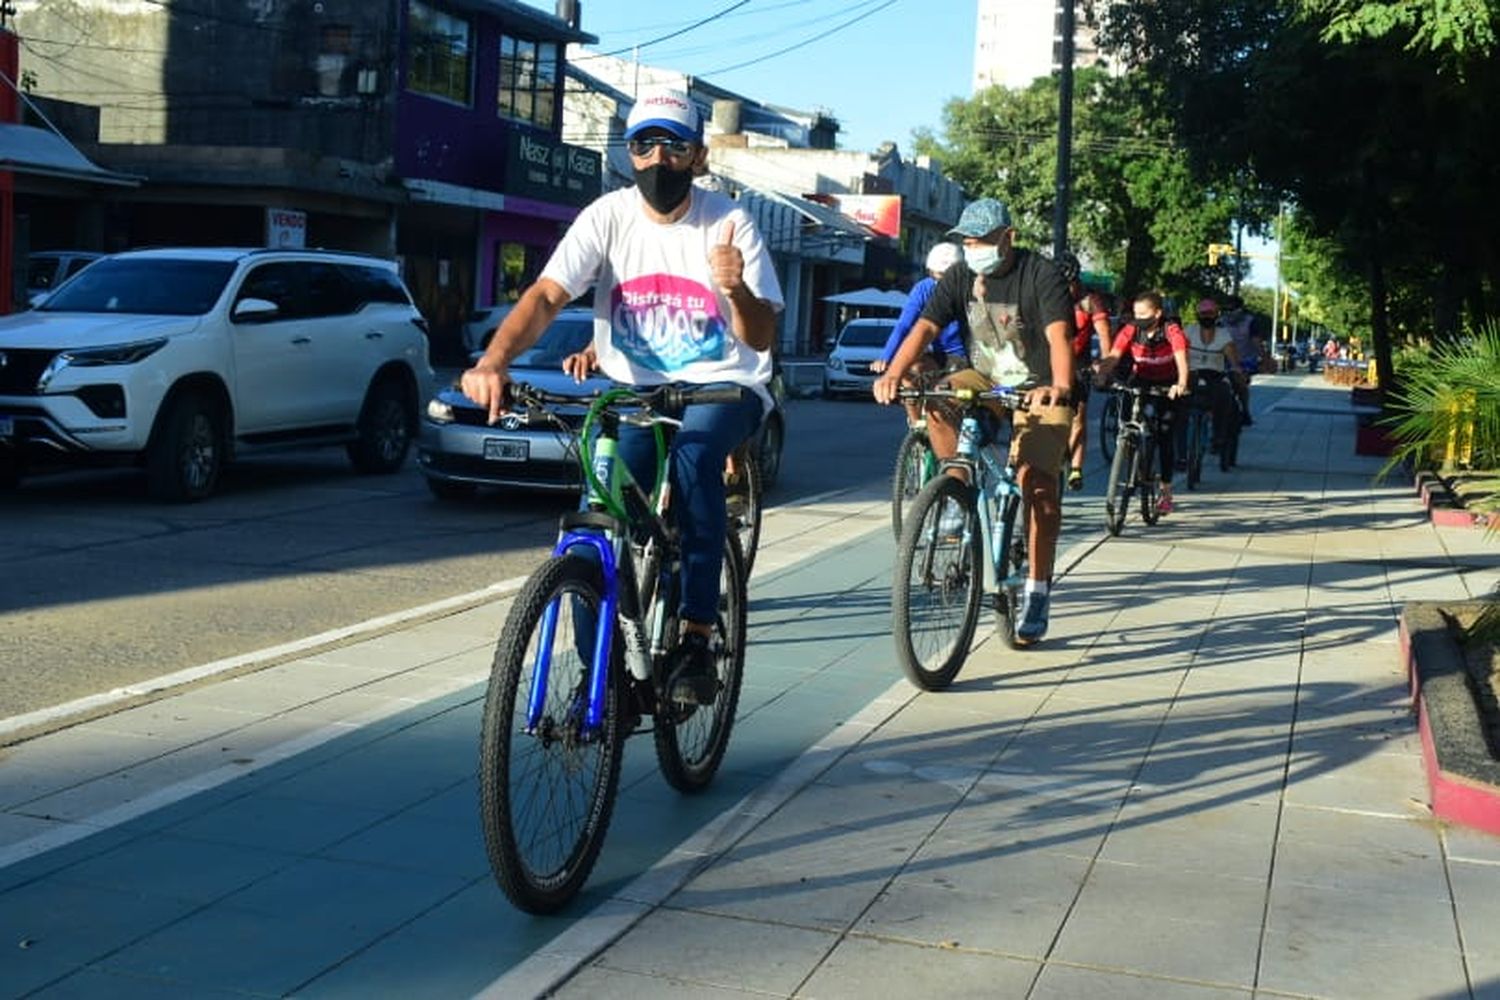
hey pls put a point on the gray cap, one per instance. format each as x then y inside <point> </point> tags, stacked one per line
<point>982,217</point>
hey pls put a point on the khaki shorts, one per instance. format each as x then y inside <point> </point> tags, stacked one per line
<point>1041,433</point>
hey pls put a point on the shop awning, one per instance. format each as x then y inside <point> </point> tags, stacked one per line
<point>869,297</point>
<point>26,149</point>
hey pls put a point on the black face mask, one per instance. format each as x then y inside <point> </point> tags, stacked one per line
<point>662,188</point>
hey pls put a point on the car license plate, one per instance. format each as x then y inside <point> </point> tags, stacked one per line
<point>7,427</point>
<point>506,450</point>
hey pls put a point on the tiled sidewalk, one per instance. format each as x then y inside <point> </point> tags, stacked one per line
<point>1206,783</point>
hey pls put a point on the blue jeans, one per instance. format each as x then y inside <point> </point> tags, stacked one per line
<point>709,432</point>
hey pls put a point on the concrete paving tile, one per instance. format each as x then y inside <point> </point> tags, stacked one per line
<point>62,760</point>
<point>1397,790</point>
<point>87,984</point>
<point>47,923</point>
<point>1066,982</point>
<point>689,947</point>
<point>1468,844</point>
<point>1233,839</point>
<point>1307,962</point>
<point>1476,897</point>
<point>942,915</point>
<point>1071,827</point>
<point>1319,913</point>
<point>175,719</point>
<point>269,821</point>
<point>1165,922</point>
<point>1360,853</point>
<point>417,843</point>
<point>596,983</point>
<point>176,867</point>
<point>861,968</point>
<point>805,840</point>
<point>781,891</point>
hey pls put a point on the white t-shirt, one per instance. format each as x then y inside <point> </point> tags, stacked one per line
<point>658,316</point>
<point>1209,356</point>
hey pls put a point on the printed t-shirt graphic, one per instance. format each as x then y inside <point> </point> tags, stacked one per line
<point>998,347</point>
<point>663,322</point>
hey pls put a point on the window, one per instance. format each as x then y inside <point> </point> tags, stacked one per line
<point>516,268</point>
<point>439,62</point>
<point>528,81</point>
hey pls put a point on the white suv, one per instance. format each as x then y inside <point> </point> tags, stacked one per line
<point>178,359</point>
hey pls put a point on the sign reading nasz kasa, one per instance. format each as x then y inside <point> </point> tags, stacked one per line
<point>546,170</point>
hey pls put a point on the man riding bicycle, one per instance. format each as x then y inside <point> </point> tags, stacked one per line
<point>1018,327</point>
<point>1090,326</point>
<point>947,352</point>
<point>686,293</point>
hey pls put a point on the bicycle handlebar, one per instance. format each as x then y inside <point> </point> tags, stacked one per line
<point>1161,391</point>
<point>1010,398</point>
<point>665,397</point>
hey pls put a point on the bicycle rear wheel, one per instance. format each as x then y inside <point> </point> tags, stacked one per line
<point>1229,450</point>
<point>689,748</point>
<point>546,793</point>
<point>936,596</point>
<point>1109,425</point>
<point>913,461</point>
<point>743,494</point>
<point>1121,485</point>
<point>1014,560</point>
<point>1149,478</point>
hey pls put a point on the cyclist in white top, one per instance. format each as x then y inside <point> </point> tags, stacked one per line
<point>1212,354</point>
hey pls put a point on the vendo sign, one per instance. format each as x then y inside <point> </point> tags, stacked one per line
<point>286,229</point>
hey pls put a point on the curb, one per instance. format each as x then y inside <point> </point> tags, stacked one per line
<point>1463,775</point>
<point>1445,508</point>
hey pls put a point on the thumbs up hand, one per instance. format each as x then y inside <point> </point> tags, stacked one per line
<point>727,263</point>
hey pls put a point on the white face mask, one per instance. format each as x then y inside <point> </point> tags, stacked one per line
<point>984,258</point>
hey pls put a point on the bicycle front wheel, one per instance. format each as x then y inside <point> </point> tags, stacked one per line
<point>1013,568</point>
<point>690,746</point>
<point>743,493</point>
<point>1150,480</point>
<point>936,596</point>
<point>1121,485</point>
<point>1196,445</point>
<point>913,463</point>
<point>546,791</point>
<point>1109,425</point>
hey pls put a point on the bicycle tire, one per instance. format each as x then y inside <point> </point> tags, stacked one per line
<point>1013,564</point>
<point>1229,450</point>
<point>1149,478</point>
<point>910,475</point>
<point>1195,444</point>
<point>541,861</point>
<point>1109,425</point>
<point>689,749</point>
<point>744,495</point>
<point>936,594</point>
<point>1121,485</point>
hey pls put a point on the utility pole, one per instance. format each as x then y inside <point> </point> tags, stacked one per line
<point>1065,23</point>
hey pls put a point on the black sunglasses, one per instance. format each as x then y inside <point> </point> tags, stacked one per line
<point>673,146</point>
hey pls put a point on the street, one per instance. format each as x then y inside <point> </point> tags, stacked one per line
<point>106,588</point>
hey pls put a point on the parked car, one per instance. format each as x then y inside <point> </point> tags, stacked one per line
<point>46,270</point>
<point>459,452</point>
<point>177,359</point>
<point>847,368</point>
<point>480,326</point>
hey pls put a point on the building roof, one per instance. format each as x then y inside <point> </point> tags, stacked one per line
<point>537,23</point>
<point>26,149</point>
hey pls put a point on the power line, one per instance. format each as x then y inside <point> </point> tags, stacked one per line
<point>674,34</point>
<point>802,44</point>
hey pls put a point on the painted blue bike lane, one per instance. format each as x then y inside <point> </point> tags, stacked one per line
<point>358,867</point>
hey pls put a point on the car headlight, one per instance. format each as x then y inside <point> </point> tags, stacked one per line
<point>837,364</point>
<point>99,357</point>
<point>440,412</point>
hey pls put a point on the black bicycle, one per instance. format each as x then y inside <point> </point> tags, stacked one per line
<point>584,654</point>
<point>1134,471</point>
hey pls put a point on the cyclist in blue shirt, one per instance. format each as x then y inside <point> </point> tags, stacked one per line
<point>947,351</point>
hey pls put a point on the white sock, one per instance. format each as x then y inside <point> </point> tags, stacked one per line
<point>1036,586</point>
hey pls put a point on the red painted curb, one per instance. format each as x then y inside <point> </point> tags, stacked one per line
<point>1455,798</point>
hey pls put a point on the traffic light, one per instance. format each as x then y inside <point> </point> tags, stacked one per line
<point>1217,250</point>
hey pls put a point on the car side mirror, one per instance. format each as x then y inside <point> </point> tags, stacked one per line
<point>255,310</point>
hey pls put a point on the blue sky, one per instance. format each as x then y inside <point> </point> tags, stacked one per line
<point>885,74</point>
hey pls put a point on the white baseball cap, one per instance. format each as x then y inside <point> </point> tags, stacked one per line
<point>666,109</point>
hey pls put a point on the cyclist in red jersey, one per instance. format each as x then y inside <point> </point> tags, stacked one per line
<point>1159,349</point>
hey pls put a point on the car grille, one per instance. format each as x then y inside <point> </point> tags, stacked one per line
<point>20,367</point>
<point>860,368</point>
<point>471,417</point>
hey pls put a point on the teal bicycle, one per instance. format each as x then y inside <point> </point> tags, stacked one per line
<point>962,539</point>
<point>582,658</point>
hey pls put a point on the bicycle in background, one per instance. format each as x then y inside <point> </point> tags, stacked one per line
<point>961,539</point>
<point>583,655</point>
<point>1134,470</point>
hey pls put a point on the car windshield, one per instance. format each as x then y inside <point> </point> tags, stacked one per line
<point>153,286</point>
<point>865,335</point>
<point>565,336</point>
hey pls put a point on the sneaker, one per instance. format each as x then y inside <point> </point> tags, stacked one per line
<point>1164,505</point>
<point>1033,618</point>
<point>691,679</point>
<point>1075,480</point>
